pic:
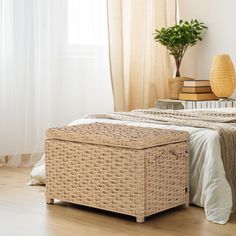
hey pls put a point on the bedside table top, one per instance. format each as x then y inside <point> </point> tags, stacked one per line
<point>182,104</point>
<point>169,100</point>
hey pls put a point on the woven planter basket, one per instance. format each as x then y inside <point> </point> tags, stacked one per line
<point>176,85</point>
<point>222,78</point>
<point>125,169</point>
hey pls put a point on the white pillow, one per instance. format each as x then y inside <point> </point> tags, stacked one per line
<point>38,175</point>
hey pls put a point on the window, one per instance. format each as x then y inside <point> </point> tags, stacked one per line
<point>87,22</point>
<point>6,27</point>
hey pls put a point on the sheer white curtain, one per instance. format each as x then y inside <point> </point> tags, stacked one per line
<point>53,68</point>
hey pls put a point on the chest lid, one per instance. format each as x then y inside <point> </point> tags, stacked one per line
<point>119,135</point>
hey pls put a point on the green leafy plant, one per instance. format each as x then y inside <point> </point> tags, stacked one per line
<point>178,38</point>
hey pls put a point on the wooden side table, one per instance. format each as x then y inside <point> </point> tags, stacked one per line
<point>180,104</point>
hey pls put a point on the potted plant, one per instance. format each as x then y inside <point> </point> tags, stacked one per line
<point>178,39</point>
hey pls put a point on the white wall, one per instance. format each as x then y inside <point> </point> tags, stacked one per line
<point>220,38</point>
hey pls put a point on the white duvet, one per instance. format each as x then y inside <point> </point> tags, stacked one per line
<point>208,185</point>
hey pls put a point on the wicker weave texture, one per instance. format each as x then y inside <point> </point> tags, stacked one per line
<point>222,76</point>
<point>167,174</point>
<point>96,176</point>
<point>176,85</point>
<point>117,135</point>
<point>124,180</point>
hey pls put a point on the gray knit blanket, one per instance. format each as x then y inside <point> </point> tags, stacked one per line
<point>223,122</point>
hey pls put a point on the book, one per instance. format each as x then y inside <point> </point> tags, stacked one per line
<point>197,96</point>
<point>196,83</point>
<point>206,89</point>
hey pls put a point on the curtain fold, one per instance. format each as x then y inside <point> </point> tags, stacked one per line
<point>139,66</point>
<point>45,80</point>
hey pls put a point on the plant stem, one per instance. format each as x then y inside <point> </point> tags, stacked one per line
<point>178,63</point>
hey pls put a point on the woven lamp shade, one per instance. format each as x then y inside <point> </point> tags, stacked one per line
<point>222,78</point>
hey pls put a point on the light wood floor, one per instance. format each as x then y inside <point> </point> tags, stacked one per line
<point>23,212</point>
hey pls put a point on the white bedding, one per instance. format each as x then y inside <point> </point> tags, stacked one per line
<point>208,185</point>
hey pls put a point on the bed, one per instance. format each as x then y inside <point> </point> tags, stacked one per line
<point>209,187</point>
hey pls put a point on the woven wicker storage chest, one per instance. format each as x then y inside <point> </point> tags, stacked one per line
<point>126,169</point>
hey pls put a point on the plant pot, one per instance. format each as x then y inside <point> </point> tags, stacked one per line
<point>176,85</point>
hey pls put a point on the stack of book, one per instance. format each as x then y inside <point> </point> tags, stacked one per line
<point>197,90</point>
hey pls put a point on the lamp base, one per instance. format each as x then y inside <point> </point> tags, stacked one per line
<point>226,99</point>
